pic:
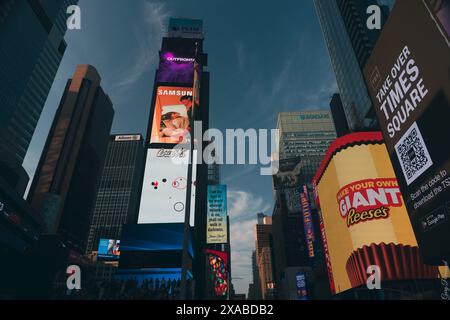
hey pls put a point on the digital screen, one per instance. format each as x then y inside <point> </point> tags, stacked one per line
<point>300,281</point>
<point>165,185</point>
<point>153,236</point>
<point>307,221</point>
<point>109,249</point>
<point>175,68</point>
<point>442,11</point>
<point>172,115</point>
<point>364,220</point>
<point>218,263</point>
<point>216,221</point>
<point>156,245</point>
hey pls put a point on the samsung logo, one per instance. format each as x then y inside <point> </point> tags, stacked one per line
<point>180,93</point>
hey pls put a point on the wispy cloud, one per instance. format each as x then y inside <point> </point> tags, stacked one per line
<point>148,34</point>
<point>240,55</point>
<point>243,207</point>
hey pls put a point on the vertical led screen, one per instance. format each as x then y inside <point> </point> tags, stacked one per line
<point>163,195</point>
<point>108,249</point>
<point>300,281</point>
<point>216,220</point>
<point>409,83</point>
<point>218,262</point>
<point>365,221</point>
<point>307,221</point>
<point>172,117</point>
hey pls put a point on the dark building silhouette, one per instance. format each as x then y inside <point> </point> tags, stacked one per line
<point>31,49</point>
<point>339,119</point>
<point>254,289</point>
<point>66,180</point>
<point>117,195</point>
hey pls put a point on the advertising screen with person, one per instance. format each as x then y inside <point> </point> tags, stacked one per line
<point>109,249</point>
<point>172,116</point>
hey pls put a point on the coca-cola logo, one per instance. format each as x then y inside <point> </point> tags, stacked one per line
<point>171,153</point>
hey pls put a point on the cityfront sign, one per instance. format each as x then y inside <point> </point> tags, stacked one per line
<point>409,83</point>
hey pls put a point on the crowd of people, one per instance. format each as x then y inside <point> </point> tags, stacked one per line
<point>125,290</point>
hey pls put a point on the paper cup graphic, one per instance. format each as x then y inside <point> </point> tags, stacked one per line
<point>396,262</point>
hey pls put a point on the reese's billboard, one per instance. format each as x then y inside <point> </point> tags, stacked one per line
<point>364,221</point>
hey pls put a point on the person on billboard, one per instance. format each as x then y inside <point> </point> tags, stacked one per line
<point>111,244</point>
<point>174,125</point>
<point>187,101</point>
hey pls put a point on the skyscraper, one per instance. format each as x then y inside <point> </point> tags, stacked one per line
<point>66,180</point>
<point>305,134</point>
<point>116,201</point>
<point>304,138</point>
<point>172,188</point>
<point>264,257</point>
<point>339,119</point>
<point>350,43</point>
<point>31,49</point>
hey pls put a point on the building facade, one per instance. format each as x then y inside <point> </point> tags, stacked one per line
<point>350,43</point>
<point>304,138</point>
<point>31,48</point>
<point>116,202</point>
<point>68,173</point>
<point>305,134</point>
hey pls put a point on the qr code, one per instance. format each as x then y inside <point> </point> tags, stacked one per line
<point>413,154</point>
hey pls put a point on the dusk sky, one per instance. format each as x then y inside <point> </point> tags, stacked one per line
<point>265,57</point>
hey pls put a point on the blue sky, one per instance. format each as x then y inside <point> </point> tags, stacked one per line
<point>264,57</point>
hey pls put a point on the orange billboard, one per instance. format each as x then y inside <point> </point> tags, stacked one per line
<point>172,115</point>
<point>363,216</point>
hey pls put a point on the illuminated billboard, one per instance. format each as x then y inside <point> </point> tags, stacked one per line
<point>307,221</point>
<point>108,249</point>
<point>164,187</point>
<point>363,218</point>
<point>218,262</point>
<point>154,245</point>
<point>172,115</point>
<point>216,220</point>
<point>300,281</point>
<point>409,83</point>
<point>175,68</point>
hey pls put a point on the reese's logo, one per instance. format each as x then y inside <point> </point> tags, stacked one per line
<point>368,200</point>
